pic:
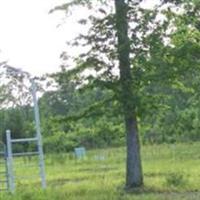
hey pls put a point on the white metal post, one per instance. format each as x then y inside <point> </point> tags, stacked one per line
<point>9,160</point>
<point>38,131</point>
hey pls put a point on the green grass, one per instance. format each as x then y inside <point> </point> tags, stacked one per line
<point>170,172</point>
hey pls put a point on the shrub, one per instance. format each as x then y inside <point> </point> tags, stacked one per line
<point>175,179</point>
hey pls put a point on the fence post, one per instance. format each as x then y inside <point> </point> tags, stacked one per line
<point>9,160</point>
<point>38,131</point>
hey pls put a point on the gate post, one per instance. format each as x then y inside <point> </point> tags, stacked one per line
<point>9,160</point>
<point>38,135</point>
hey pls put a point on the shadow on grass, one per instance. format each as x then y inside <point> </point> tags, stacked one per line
<point>153,190</point>
<point>62,181</point>
<point>101,169</point>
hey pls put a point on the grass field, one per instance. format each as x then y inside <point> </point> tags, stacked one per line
<point>170,172</point>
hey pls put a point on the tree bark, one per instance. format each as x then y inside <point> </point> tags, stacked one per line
<point>134,175</point>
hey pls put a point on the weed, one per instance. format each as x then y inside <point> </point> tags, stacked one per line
<point>175,179</point>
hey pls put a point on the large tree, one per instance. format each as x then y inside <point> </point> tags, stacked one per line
<point>134,177</point>
<point>126,43</point>
<point>110,43</point>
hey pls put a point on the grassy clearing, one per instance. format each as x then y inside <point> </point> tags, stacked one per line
<point>170,172</point>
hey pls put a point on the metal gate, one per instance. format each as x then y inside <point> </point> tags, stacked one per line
<point>3,168</point>
<point>12,156</point>
<point>8,177</point>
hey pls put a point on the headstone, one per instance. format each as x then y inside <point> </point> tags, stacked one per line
<point>100,157</point>
<point>80,152</point>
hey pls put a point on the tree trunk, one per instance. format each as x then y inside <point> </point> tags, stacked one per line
<point>134,175</point>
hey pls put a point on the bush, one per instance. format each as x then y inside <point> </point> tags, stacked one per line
<point>175,179</point>
<point>59,142</point>
<point>100,135</point>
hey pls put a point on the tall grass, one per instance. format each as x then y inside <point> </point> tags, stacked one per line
<point>170,172</point>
